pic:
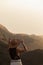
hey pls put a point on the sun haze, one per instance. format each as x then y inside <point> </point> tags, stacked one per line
<point>22,16</point>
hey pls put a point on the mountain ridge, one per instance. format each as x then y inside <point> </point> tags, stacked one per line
<point>31,41</point>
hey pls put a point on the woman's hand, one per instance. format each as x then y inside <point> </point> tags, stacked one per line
<point>25,47</point>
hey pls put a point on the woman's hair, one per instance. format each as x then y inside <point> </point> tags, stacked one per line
<point>14,41</point>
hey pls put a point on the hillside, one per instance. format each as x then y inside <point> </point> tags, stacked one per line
<point>33,57</point>
<point>4,33</point>
<point>32,41</point>
<point>4,55</point>
<point>28,58</point>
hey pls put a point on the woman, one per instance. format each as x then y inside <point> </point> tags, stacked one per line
<point>15,51</point>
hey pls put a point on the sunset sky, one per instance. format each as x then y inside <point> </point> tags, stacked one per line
<point>22,16</point>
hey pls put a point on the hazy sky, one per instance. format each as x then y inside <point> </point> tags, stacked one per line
<point>22,16</point>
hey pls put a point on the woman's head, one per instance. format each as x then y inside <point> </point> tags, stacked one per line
<point>14,42</point>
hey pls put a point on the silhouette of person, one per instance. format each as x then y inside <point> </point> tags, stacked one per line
<point>15,51</point>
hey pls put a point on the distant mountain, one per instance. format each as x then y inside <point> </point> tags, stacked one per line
<point>32,41</point>
<point>4,33</point>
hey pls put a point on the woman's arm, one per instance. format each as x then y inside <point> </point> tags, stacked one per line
<point>25,47</point>
<point>22,49</point>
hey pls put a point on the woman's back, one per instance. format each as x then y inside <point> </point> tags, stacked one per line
<point>13,53</point>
